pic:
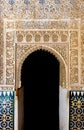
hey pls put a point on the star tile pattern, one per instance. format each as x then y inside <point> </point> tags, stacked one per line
<point>6,110</point>
<point>76,110</point>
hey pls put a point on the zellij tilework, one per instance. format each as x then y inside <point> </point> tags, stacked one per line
<point>76,110</point>
<point>6,110</point>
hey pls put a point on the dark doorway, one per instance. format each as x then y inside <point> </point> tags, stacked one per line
<point>40,80</point>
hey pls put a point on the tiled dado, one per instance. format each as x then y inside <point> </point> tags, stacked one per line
<point>7,110</point>
<point>76,111</point>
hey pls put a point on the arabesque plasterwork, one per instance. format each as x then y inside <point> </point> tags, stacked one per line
<point>1,53</point>
<point>64,41</point>
<point>56,26</point>
<point>34,9</point>
<point>22,51</point>
<point>59,26</point>
<point>82,57</point>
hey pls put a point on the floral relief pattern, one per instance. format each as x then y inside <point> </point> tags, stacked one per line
<point>60,39</point>
<point>47,9</point>
<point>23,50</point>
<point>57,24</point>
<point>74,57</point>
<point>42,36</point>
<point>82,57</point>
<point>1,53</point>
<point>10,63</point>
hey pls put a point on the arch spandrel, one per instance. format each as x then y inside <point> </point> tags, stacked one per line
<point>26,52</point>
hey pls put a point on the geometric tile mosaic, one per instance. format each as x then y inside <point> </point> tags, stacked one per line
<point>6,110</point>
<point>76,118</point>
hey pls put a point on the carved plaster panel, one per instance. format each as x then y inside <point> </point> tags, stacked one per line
<point>44,24</point>
<point>61,9</point>
<point>42,36</point>
<point>64,38</point>
<point>54,9</point>
<point>82,57</point>
<point>10,60</point>
<point>82,25</point>
<point>17,9</point>
<point>81,12</point>
<point>6,87</point>
<point>74,57</point>
<point>60,52</point>
<point>57,39</point>
<point>1,53</point>
<point>21,49</point>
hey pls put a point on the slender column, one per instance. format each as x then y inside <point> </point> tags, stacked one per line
<point>16,114</point>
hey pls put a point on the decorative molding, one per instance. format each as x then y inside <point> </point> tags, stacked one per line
<point>10,60</point>
<point>65,41</point>
<point>74,57</point>
<point>49,24</point>
<point>82,57</point>
<point>6,87</point>
<point>42,36</point>
<point>1,53</point>
<point>22,51</point>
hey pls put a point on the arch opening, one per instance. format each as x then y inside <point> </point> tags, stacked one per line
<point>40,85</point>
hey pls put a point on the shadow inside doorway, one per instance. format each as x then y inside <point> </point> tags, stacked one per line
<point>40,78</point>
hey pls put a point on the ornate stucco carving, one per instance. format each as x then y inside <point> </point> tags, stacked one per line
<point>58,25</point>
<point>82,25</point>
<point>73,57</point>
<point>55,27</point>
<point>1,53</point>
<point>48,10</point>
<point>42,36</point>
<point>22,51</point>
<point>64,38</point>
<point>82,57</point>
<point>10,60</point>
<point>6,87</point>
